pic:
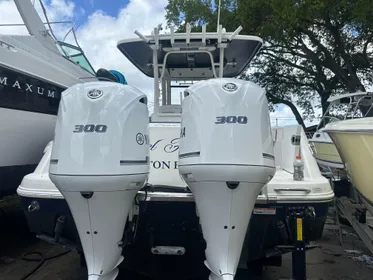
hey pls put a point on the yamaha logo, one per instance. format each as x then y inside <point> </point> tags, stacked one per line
<point>140,139</point>
<point>230,87</point>
<point>95,93</point>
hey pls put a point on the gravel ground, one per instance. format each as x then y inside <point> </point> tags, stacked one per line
<point>330,262</point>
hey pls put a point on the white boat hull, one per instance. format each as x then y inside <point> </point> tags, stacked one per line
<point>33,73</point>
<point>24,136</point>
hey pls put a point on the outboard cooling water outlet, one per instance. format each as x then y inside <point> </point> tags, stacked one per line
<point>87,195</point>
<point>232,185</point>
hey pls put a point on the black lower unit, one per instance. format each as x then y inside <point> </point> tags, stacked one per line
<point>166,223</point>
<point>11,177</point>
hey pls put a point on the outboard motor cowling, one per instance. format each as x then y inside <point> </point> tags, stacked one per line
<point>99,161</point>
<point>226,158</point>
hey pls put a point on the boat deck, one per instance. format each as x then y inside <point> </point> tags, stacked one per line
<point>331,261</point>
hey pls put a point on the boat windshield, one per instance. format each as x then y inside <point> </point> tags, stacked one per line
<point>351,107</point>
<point>365,106</point>
<point>35,26</point>
<point>328,119</point>
<point>76,55</point>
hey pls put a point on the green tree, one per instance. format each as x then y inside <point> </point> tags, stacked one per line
<point>314,48</point>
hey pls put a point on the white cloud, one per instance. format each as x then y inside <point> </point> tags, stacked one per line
<point>284,116</point>
<point>57,10</point>
<point>99,36</point>
<point>9,14</point>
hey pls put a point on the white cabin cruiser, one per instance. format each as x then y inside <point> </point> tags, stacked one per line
<point>341,107</point>
<point>34,70</point>
<point>166,235</point>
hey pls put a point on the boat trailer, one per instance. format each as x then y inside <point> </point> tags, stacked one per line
<point>348,206</point>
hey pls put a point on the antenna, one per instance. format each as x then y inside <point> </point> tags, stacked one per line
<point>235,33</point>
<point>142,36</point>
<point>217,27</point>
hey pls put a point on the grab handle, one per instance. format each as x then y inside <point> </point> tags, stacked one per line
<point>307,190</point>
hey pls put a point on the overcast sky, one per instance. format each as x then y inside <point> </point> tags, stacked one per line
<point>100,24</point>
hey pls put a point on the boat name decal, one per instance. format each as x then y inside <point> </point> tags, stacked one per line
<point>164,164</point>
<point>170,147</point>
<point>21,91</point>
<point>29,87</point>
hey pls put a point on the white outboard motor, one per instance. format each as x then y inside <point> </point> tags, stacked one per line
<point>226,158</point>
<point>99,161</point>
